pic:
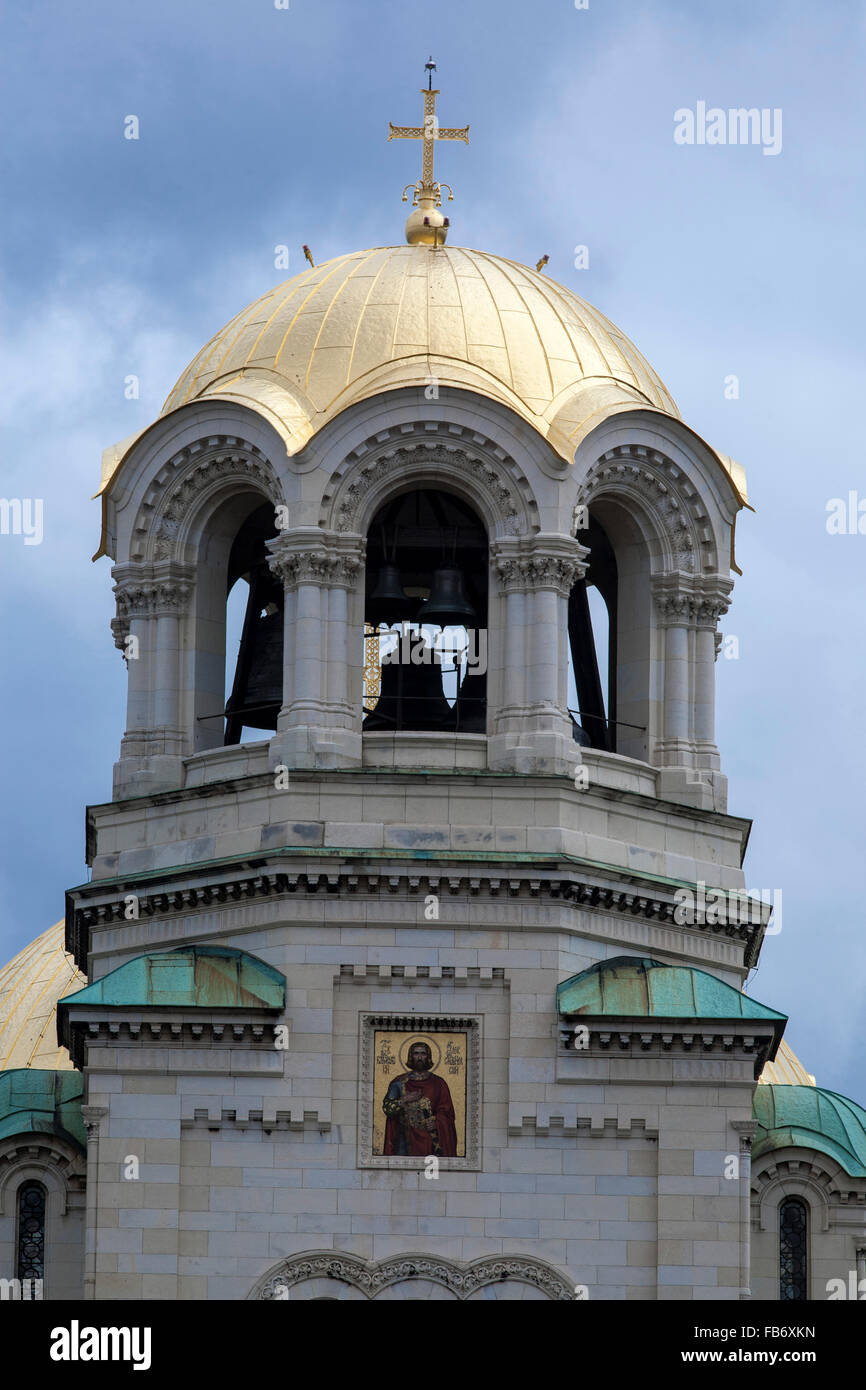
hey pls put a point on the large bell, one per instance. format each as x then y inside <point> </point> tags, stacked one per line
<point>447,603</point>
<point>388,603</point>
<point>257,691</point>
<point>410,697</point>
<point>472,704</point>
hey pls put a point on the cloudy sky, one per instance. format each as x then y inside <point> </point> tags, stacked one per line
<point>262,126</point>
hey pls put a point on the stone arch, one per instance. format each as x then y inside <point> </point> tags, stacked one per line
<point>402,458</point>
<point>661,502</point>
<point>189,487</point>
<point>809,1178</point>
<point>418,1276</point>
<point>59,1166</point>
<point>51,1160</point>
<point>670,597</point>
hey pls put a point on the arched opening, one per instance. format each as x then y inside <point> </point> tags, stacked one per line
<point>613,662</point>
<point>592,643</point>
<point>254,633</point>
<point>236,681</point>
<point>30,1245</point>
<point>425,613</point>
<point>793,1250</point>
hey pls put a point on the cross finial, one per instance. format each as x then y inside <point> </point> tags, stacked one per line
<point>425,225</point>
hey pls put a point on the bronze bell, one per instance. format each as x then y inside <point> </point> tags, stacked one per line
<point>410,697</point>
<point>389,603</point>
<point>472,703</point>
<point>447,604</point>
<point>257,691</point>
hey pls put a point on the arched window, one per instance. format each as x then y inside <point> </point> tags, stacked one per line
<point>793,1258</point>
<point>254,676</point>
<point>592,642</point>
<point>31,1231</point>
<point>426,616</point>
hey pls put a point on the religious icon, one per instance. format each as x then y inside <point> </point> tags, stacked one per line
<point>420,1110</point>
<point>419,1094</point>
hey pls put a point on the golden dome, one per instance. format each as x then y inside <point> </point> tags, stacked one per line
<point>30,986</point>
<point>398,315</point>
<point>787,1070</point>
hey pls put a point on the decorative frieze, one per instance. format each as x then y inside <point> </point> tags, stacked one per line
<point>462,1280</point>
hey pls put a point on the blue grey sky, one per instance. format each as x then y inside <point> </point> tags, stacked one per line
<point>262,126</point>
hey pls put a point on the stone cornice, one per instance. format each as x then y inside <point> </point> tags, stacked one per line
<point>644,1039</point>
<point>549,879</point>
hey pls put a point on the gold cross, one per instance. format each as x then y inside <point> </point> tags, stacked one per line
<point>430,132</point>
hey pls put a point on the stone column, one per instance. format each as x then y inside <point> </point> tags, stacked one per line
<point>687,608</point>
<point>319,723</point>
<point>92,1116</point>
<point>152,604</point>
<point>531,728</point>
<point>746,1130</point>
<point>709,609</point>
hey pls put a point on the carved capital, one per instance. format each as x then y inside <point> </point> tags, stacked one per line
<point>681,600</point>
<point>325,559</point>
<point>544,562</point>
<point>149,591</point>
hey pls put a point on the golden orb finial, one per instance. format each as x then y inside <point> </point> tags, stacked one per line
<point>425,225</point>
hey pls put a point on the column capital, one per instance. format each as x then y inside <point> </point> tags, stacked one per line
<point>146,591</point>
<point>525,564</point>
<point>684,600</point>
<point>309,555</point>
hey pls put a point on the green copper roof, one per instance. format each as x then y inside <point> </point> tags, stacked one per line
<point>807,1117</point>
<point>636,987</point>
<point>42,1102</point>
<point>204,977</point>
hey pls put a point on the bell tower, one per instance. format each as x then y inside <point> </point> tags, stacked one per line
<point>486,561</point>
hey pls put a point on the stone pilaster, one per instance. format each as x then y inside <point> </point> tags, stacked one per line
<point>687,610</point>
<point>746,1130</point>
<point>320,720</point>
<point>93,1115</point>
<point>532,579</point>
<point>153,603</point>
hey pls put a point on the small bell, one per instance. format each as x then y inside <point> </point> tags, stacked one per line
<point>388,603</point>
<point>447,603</point>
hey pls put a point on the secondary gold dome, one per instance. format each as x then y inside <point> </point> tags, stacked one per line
<point>376,320</point>
<point>30,986</point>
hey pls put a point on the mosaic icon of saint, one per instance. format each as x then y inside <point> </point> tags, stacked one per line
<point>420,1110</point>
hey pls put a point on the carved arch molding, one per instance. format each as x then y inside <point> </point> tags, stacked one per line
<point>665,492</point>
<point>200,467</point>
<point>461,1281</point>
<point>186,478</point>
<point>401,452</point>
